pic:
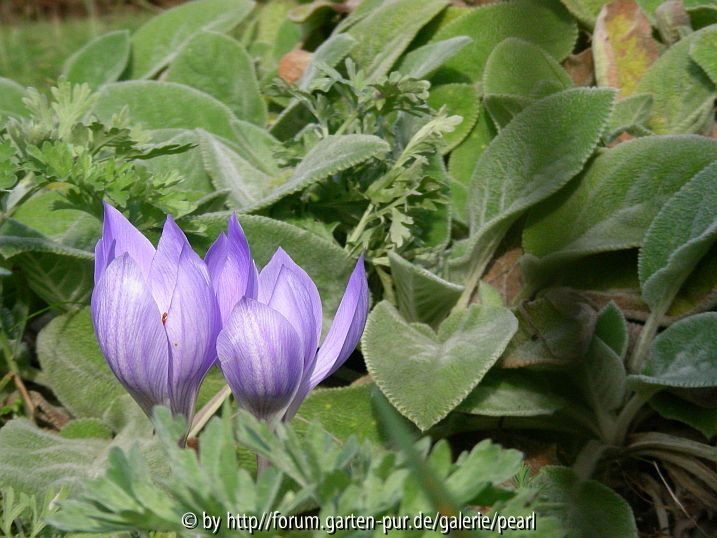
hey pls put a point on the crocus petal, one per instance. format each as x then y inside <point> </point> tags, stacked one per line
<point>191,324</point>
<point>165,264</point>
<point>261,357</point>
<point>231,268</point>
<point>129,330</point>
<point>120,237</point>
<point>346,329</point>
<point>292,299</point>
<point>268,278</point>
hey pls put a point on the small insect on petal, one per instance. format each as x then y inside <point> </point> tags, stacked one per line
<point>164,318</point>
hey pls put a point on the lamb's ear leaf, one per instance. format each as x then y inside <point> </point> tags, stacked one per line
<point>160,39</point>
<point>100,61</point>
<point>402,357</point>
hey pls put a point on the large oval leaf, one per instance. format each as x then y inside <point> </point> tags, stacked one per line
<point>156,43</point>
<point>533,156</point>
<point>684,355</point>
<point>543,22</point>
<point>613,203</point>
<point>100,61</point>
<point>229,76</point>
<point>681,234</point>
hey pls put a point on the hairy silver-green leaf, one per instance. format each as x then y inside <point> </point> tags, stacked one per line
<point>52,249</point>
<point>543,22</point>
<point>100,61</point>
<point>586,11</point>
<point>247,185</point>
<point>587,507</point>
<point>681,234</point>
<point>611,328</point>
<point>458,99</point>
<point>673,407</point>
<point>613,203</point>
<point>531,158</point>
<point>163,105</point>
<point>422,296</point>
<point>422,62</point>
<point>158,41</point>
<point>512,393</point>
<point>684,355</point>
<point>463,160</point>
<point>229,75</point>
<point>703,50</point>
<point>631,115</point>
<point>426,374</point>
<point>684,95</point>
<point>385,32</point>
<point>517,73</point>
<point>78,373</point>
<point>330,156</point>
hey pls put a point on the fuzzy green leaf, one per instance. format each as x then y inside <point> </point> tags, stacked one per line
<point>422,296</point>
<point>229,76</point>
<point>422,62</point>
<point>158,41</point>
<point>512,393</point>
<point>545,23</point>
<point>426,374</point>
<point>684,355</point>
<point>531,158</point>
<point>458,99</point>
<point>613,203</point>
<point>703,50</point>
<point>516,74</point>
<point>587,507</point>
<point>100,61</point>
<point>681,234</point>
<point>684,95</point>
<point>78,373</point>
<point>385,33</point>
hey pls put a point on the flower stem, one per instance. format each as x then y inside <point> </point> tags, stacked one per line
<point>262,464</point>
<point>207,412</point>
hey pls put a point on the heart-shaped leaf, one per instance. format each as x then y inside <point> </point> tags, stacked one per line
<point>426,374</point>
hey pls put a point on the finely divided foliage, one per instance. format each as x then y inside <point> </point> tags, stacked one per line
<point>308,258</point>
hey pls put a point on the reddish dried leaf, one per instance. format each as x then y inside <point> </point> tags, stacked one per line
<point>293,64</point>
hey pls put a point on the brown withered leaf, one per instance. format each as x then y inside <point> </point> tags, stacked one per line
<point>505,276</point>
<point>293,64</point>
<point>580,67</point>
<point>623,46</point>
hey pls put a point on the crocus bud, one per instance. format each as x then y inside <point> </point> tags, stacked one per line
<point>231,268</point>
<point>267,348</point>
<point>154,312</point>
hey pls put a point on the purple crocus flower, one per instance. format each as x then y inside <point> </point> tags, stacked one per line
<point>267,348</point>
<point>155,313</point>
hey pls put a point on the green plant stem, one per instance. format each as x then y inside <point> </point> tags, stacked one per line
<point>207,412</point>
<point>262,464</point>
<point>642,346</point>
<point>628,414</point>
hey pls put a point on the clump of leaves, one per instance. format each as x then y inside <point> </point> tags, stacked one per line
<point>311,473</point>
<point>61,146</point>
<point>25,516</point>
<point>381,206</point>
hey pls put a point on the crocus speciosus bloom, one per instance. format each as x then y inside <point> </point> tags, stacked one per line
<point>155,313</point>
<point>267,348</point>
